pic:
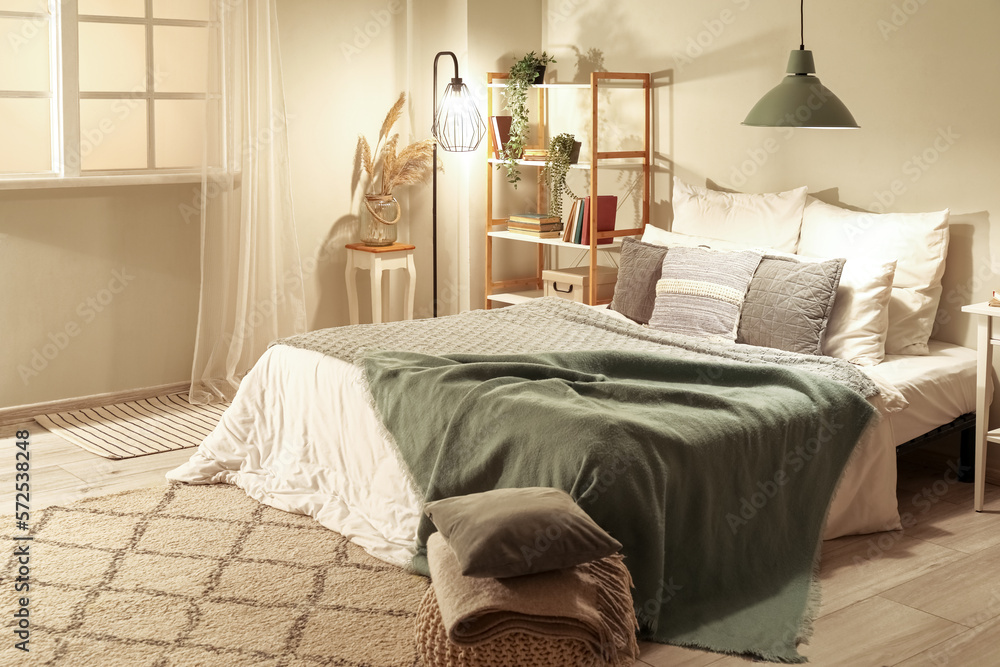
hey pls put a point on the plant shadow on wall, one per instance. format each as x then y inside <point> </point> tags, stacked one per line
<point>587,62</point>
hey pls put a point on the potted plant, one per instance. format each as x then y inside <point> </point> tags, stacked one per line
<point>388,169</point>
<point>563,151</point>
<point>525,72</point>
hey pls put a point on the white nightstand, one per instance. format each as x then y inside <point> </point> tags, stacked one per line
<point>378,259</point>
<point>985,340</point>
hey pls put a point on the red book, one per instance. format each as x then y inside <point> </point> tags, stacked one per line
<point>607,211</point>
<point>501,133</point>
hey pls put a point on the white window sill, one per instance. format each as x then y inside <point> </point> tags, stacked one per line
<point>46,182</point>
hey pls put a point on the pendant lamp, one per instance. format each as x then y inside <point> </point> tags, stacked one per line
<point>800,100</point>
<point>458,127</point>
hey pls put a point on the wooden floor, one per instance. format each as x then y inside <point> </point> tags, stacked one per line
<point>926,595</point>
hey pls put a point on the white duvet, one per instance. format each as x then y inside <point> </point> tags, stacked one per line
<point>301,436</point>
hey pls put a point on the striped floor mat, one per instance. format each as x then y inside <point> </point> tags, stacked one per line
<point>136,428</point>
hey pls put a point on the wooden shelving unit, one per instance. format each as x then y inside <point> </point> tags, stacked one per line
<point>517,290</point>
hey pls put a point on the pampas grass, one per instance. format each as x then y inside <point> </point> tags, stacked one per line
<point>387,166</point>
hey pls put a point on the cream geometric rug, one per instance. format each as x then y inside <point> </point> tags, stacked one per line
<point>136,428</point>
<point>204,575</point>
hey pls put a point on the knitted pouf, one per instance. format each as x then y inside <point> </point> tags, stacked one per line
<point>513,649</point>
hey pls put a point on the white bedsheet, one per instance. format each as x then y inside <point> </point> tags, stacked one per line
<point>301,436</point>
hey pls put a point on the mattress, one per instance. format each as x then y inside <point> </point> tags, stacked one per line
<point>301,436</point>
<point>936,388</point>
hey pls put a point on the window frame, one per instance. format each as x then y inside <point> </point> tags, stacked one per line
<point>64,76</point>
<point>54,95</point>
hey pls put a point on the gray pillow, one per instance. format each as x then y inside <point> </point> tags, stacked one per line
<point>639,268</point>
<point>700,291</point>
<point>788,304</point>
<point>512,532</point>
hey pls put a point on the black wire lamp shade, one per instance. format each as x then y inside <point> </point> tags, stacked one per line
<point>800,100</point>
<point>458,127</point>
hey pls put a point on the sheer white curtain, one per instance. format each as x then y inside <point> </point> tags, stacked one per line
<point>251,277</point>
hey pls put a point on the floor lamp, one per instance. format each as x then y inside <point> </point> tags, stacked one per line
<point>458,127</point>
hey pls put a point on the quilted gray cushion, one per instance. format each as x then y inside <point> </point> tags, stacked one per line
<point>788,304</point>
<point>701,291</point>
<point>638,270</point>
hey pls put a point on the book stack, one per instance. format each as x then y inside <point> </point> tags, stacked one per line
<point>578,224</point>
<point>535,154</point>
<point>539,225</point>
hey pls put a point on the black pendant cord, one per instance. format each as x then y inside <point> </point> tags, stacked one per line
<point>802,25</point>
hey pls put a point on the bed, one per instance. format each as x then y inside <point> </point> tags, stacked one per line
<point>283,451</point>
<point>305,435</point>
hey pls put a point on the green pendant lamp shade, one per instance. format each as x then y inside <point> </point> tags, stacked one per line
<point>800,100</point>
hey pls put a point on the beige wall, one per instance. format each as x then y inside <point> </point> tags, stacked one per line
<point>100,290</point>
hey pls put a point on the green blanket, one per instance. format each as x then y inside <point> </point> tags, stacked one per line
<point>715,477</point>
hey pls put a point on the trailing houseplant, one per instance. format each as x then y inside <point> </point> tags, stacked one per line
<point>388,168</point>
<point>559,158</point>
<point>520,78</point>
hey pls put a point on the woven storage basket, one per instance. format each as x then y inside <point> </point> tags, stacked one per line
<point>514,649</point>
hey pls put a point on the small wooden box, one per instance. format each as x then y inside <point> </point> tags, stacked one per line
<point>574,283</point>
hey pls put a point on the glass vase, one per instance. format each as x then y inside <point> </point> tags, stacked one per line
<point>379,216</point>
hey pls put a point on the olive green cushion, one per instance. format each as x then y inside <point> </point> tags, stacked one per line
<point>512,532</point>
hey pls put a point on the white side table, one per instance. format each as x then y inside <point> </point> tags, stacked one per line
<point>985,341</point>
<point>378,259</point>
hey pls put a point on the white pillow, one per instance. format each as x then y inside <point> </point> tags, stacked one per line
<point>917,241</point>
<point>859,322</point>
<point>771,220</point>
<point>657,236</point>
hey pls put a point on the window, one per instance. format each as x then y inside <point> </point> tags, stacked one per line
<point>102,87</point>
<point>28,85</point>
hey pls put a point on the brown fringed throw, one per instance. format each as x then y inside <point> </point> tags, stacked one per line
<point>581,615</point>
